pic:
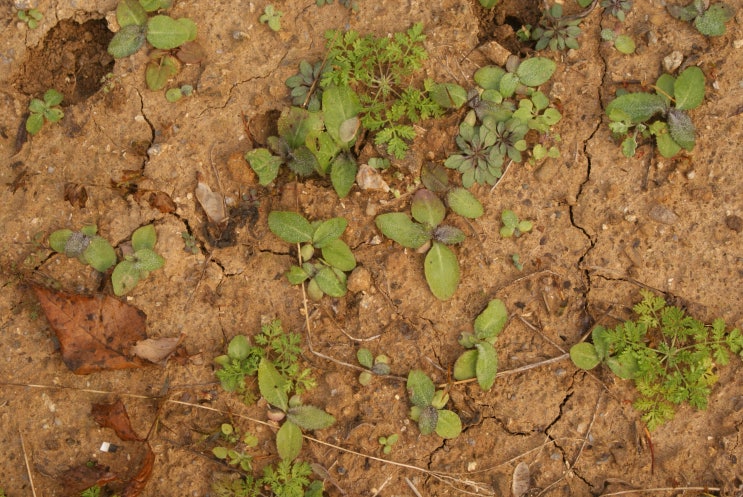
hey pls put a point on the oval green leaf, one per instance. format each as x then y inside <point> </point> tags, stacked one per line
<point>584,355</point>
<point>340,106</point>
<point>289,441</point>
<point>128,40</point>
<point>465,366</point>
<point>310,417</point>
<point>688,89</point>
<point>681,128</point>
<point>58,240</point>
<point>130,12</point>
<point>448,235</point>
<point>625,365</point>
<point>487,365</point>
<point>264,164</point>
<point>427,208</point>
<point>165,33</point>
<point>290,226</point>
<point>489,77</point>
<point>272,385</point>
<point>100,254</point>
<point>420,388</point>
<point>491,321</point>
<point>428,420</point>
<point>329,230</point>
<point>365,357</point>
<point>448,95</point>
<point>535,71</point>
<point>638,107</point>
<point>124,278</point>
<point>239,347</point>
<point>448,424</point>
<point>343,174</point>
<point>339,255</point>
<point>442,271</point>
<point>464,203</point>
<point>144,237</point>
<point>329,282</point>
<point>159,71</point>
<point>399,227</point>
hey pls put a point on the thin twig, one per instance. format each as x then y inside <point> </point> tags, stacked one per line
<point>28,466</point>
<point>643,491</point>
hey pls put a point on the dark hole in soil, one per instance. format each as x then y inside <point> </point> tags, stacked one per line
<point>72,59</point>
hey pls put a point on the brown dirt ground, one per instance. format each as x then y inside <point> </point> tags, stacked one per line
<point>599,238</point>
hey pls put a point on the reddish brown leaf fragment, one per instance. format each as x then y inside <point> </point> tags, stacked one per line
<point>191,53</point>
<point>77,479</point>
<point>114,416</point>
<point>156,350</point>
<point>137,484</point>
<point>162,202</point>
<point>96,332</point>
<point>75,194</point>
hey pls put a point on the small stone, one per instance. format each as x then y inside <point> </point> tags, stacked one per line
<point>672,61</point>
<point>664,215</point>
<point>495,52</point>
<point>360,280</point>
<point>735,223</point>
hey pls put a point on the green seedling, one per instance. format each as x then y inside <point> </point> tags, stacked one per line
<point>305,90</point>
<point>172,39</point>
<point>32,17</point>
<point>138,265</point>
<point>86,246</point>
<point>662,114</point>
<point>555,32</point>
<point>175,94</point>
<point>326,274</point>
<point>312,142</point>
<point>512,226</point>
<point>617,8</point>
<point>387,442</point>
<point>272,17</point>
<point>283,479</point>
<point>505,107</point>
<point>94,491</point>
<point>708,19</point>
<point>516,259</point>
<point>671,357</point>
<point>44,110</point>
<point>428,407</point>
<point>190,244</point>
<point>623,43</point>
<point>380,72</point>
<point>235,455</point>
<point>440,266</point>
<point>242,360</point>
<point>481,360</point>
<point>378,365</point>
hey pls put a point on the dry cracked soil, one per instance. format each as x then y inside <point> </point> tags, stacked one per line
<point>606,226</point>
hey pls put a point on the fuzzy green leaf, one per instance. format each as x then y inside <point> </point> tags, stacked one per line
<point>339,255</point>
<point>625,365</point>
<point>488,77</point>
<point>449,95</point>
<point>264,164</point>
<point>58,240</point>
<point>681,128</point>
<point>165,33</point>
<point>535,71</point>
<point>688,89</point>
<point>125,277</point>
<point>330,283</point>
<point>712,22</point>
<point>465,366</point>
<point>448,235</point>
<point>420,388</point>
<point>340,104</point>
<point>400,228</point>
<point>428,420</point>
<point>486,367</point>
<point>365,357</point>
<point>442,271</point>
<point>148,260</point>
<point>289,441</point>
<point>160,70</point>
<point>272,385</point>
<point>464,203</point>
<point>297,275</point>
<point>329,230</point>
<point>664,85</point>
<point>343,174</point>
<point>100,254</point>
<point>130,12</point>
<point>448,425</point>
<point>127,41</point>
<point>427,208</point>
<point>624,44</point>
<point>144,237</point>
<point>290,226</point>
<point>310,417</point>
<point>34,123</point>
<point>584,355</point>
<point>490,322</point>
<point>239,347</point>
<point>295,124</point>
<point>638,107</point>
<point>52,97</point>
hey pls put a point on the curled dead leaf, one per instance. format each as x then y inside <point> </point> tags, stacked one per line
<point>211,202</point>
<point>156,350</point>
<point>114,416</point>
<point>136,485</point>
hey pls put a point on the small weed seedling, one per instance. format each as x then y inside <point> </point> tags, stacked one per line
<point>708,19</point>
<point>556,32</point>
<point>96,251</point>
<point>172,39</point>
<point>428,407</point>
<point>440,266</point>
<point>480,360</point>
<point>512,226</point>
<point>636,114</point>
<point>284,479</point>
<point>671,356</point>
<point>623,43</point>
<point>504,109</point>
<point>328,274</point>
<point>235,455</point>
<point>32,17</point>
<point>305,91</point>
<point>617,8</point>
<point>41,110</point>
<point>175,94</point>
<point>387,442</point>
<point>272,17</point>
<point>376,365</point>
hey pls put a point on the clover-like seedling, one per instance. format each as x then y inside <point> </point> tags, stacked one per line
<point>175,94</point>
<point>32,17</point>
<point>325,275</point>
<point>235,456</point>
<point>271,16</point>
<point>662,114</point>
<point>86,246</point>
<point>428,407</point>
<point>137,266</point>
<point>481,360</point>
<point>387,442</point>
<point>671,357</point>
<point>513,226</point>
<point>440,266</point>
<point>378,365</point>
<point>163,32</point>
<point>708,19</point>
<point>44,110</point>
<point>623,43</point>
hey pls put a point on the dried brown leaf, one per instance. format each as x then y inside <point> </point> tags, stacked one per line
<point>136,485</point>
<point>114,416</point>
<point>211,202</point>
<point>96,332</point>
<point>76,194</point>
<point>156,350</point>
<point>77,479</point>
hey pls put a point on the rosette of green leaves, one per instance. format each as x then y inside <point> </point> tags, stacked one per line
<point>86,246</point>
<point>305,90</point>
<point>32,17</point>
<point>634,114</point>
<point>479,160</point>
<point>528,73</point>
<point>275,388</point>
<point>536,112</point>
<point>617,8</point>
<point>161,31</point>
<point>708,19</point>
<point>555,32</point>
<point>137,266</point>
<point>326,276</point>
<point>440,265</point>
<point>46,109</point>
<point>428,407</point>
<point>481,360</point>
